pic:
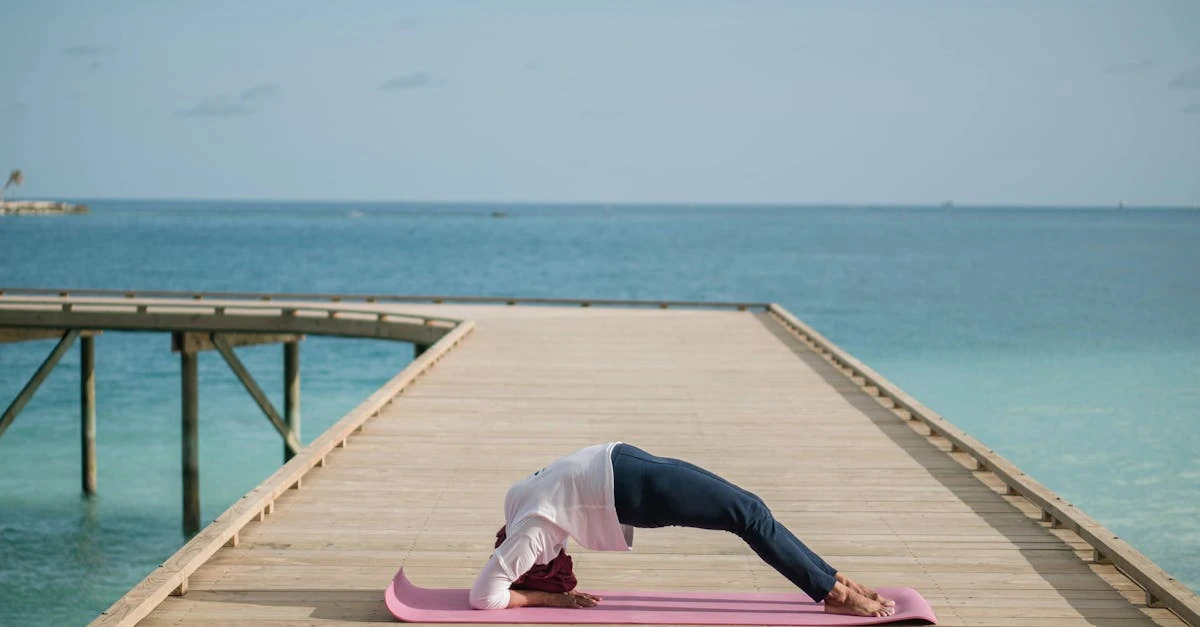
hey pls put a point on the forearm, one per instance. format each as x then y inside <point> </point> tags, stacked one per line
<point>533,598</point>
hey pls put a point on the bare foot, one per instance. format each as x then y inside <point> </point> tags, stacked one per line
<point>843,600</point>
<point>865,591</point>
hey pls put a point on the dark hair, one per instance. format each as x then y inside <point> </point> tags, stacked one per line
<point>557,576</point>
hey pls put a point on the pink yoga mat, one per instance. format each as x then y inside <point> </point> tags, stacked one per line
<point>414,604</point>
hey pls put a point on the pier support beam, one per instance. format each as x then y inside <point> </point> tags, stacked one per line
<point>291,393</point>
<point>22,334</point>
<point>291,442</point>
<point>190,440</point>
<point>288,425</point>
<point>35,382</point>
<point>87,411</point>
<point>189,345</point>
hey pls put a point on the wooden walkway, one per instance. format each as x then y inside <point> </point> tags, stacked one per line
<point>421,485</point>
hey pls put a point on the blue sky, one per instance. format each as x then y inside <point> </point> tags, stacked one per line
<point>774,102</point>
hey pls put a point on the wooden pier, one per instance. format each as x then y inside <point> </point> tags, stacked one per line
<point>195,327</point>
<point>878,484</point>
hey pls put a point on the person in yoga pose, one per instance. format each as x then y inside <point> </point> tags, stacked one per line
<point>598,494</point>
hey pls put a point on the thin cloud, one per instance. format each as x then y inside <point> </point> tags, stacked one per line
<point>1130,68</point>
<point>1192,108</point>
<point>215,108</point>
<point>88,50</point>
<point>224,106</point>
<point>262,91</point>
<point>12,107</point>
<point>408,22</point>
<point>85,52</point>
<point>1187,80</point>
<point>415,80</point>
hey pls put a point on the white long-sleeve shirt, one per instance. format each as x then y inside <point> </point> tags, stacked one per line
<point>570,498</point>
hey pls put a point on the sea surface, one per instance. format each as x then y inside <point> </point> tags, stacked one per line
<point>1066,339</point>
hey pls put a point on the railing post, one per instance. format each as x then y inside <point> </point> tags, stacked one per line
<point>291,396</point>
<point>87,394</point>
<point>190,441</point>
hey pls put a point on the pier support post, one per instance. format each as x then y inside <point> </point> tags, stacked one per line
<point>291,396</point>
<point>191,449</point>
<point>87,408</point>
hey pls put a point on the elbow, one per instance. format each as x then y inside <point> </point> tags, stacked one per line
<point>495,601</point>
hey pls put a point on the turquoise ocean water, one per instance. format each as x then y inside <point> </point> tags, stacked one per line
<point>1066,339</point>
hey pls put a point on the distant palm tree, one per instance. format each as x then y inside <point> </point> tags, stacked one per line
<point>16,177</point>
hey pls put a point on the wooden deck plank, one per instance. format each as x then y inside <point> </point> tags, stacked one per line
<point>422,484</point>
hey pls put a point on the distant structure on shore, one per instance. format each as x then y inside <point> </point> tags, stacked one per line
<point>39,207</point>
<point>32,207</point>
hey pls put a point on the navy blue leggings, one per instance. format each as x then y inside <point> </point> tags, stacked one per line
<point>652,491</point>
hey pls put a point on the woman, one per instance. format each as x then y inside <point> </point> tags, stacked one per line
<point>598,494</point>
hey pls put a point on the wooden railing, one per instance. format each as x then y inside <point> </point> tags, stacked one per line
<point>384,298</point>
<point>1161,589</point>
<point>228,316</point>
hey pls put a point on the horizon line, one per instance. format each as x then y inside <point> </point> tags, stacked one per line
<point>945,204</point>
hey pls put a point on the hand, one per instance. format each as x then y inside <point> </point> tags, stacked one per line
<point>576,599</point>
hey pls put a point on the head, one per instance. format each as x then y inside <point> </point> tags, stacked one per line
<point>557,576</point>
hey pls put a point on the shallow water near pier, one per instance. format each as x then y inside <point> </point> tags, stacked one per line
<point>1066,339</point>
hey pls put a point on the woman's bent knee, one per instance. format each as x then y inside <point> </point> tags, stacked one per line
<point>752,516</point>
